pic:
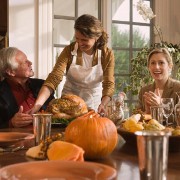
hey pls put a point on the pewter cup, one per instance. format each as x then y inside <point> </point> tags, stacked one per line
<point>41,127</point>
<point>153,154</point>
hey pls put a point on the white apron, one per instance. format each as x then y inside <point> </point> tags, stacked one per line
<point>85,82</point>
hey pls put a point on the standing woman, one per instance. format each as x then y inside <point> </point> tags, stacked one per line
<point>88,65</point>
<point>160,65</point>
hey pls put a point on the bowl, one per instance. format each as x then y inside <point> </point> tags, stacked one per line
<point>130,138</point>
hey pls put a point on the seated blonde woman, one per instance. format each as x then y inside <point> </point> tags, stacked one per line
<point>160,65</point>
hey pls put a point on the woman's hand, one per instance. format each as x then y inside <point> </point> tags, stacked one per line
<point>102,109</point>
<point>43,95</point>
<point>35,109</point>
<point>152,99</point>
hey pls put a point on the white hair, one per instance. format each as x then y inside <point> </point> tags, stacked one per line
<point>7,60</point>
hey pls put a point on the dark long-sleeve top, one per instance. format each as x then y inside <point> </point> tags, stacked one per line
<point>8,104</point>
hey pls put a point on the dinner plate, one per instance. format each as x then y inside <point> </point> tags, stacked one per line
<point>65,170</point>
<point>130,138</point>
<point>10,138</point>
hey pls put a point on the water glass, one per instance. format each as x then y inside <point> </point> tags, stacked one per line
<point>157,113</point>
<point>117,114</point>
<point>41,127</point>
<point>168,107</point>
<point>177,110</point>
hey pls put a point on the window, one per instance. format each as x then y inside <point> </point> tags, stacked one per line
<point>129,34</point>
<point>64,18</point>
<point>63,22</point>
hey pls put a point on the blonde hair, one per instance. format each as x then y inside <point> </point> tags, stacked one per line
<point>163,51</point>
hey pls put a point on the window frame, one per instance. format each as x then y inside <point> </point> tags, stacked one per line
<point>104,14</point>
<point>131,98</point>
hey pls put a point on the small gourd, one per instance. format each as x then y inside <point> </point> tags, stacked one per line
<point>96,135</point>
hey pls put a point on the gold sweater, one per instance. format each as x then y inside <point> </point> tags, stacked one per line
<point>65,59</point>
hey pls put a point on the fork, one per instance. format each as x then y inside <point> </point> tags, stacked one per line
<point>11,149</point>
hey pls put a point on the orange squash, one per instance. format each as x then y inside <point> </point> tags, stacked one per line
<point>60,150</point>
<point>96,135</point>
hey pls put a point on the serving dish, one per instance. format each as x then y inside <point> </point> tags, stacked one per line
<point>130,138</point>
<point>62,123</point>
<point>58,170</point>
<point>58,125</point>
<point>11,138</point>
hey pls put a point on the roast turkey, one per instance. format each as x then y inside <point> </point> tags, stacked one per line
<point>67,107</point>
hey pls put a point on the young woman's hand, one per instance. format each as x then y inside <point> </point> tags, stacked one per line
<point>152,99</point>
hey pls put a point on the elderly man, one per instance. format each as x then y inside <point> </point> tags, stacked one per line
<point>18,91</point>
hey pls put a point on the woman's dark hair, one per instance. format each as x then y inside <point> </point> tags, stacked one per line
<point>91,27</point>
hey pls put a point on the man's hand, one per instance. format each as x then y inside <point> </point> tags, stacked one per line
<point>21,119</point>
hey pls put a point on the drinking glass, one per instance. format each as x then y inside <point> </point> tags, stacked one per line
<point>177,110</point>
<point>168,107</point>
<point>153,154</point>
<point>117,114</point>
<point>41,127</point>
<point>157,113</point>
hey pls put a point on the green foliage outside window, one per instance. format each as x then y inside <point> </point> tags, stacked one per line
<point>136,74</point>
<point>120,44</point>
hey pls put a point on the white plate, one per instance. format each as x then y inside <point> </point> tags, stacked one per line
<point>62,170</point>
<point>10,138</point>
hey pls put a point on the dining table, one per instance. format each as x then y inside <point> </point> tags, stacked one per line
<point>124,158</point>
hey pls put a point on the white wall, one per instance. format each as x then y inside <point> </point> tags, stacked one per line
<point>167,17</point>
<point>30,30</point>
<point>22,32</point>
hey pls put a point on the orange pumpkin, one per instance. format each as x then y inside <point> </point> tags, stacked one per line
<point>96,135</point>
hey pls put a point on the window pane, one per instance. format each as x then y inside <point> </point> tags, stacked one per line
<point>64,7</point>
<point>120,81</point>
<point>120,35</point>
<point>136,16</point>
<point>121,61</point>
<point>88,7</point>
<point>135,53</point>
<point>60,34</point>
<point>56,53</point>
<point>141,36</point>
<point>120,10</point>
